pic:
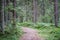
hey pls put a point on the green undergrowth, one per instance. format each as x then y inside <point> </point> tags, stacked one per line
<point>46,30</point>
<point>50,33</point>
<point>11,34</point>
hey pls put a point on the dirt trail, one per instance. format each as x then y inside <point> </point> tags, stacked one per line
<point>30,34</point>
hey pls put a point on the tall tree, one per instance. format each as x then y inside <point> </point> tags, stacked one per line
<point>34,11</point>
<point>8,12</point>
<point>5,11</point>
<point>56,12</point>
<point>2,15</point>
<point>14,13</point>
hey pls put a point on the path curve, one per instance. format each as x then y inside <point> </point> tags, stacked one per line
<point>30,34</point>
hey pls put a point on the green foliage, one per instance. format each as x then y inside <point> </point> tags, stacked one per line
<point>9,7</point>
<point>11,34</point>
<point>46,30</point>
<point>27,24</point>
<point>57,34</point>
<point>50,33</point>
<point>24,9</point>
<point>37,25</point>
<point>43,25</point>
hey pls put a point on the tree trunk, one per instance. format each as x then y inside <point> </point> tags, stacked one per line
<point>56,12</point>
<point>34,11</point>
<point>14,13</point>
<point>5,4</point>
<point>2,15</point>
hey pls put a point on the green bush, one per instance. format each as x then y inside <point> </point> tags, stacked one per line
<point>26,24</point>
<point>35,25</point>
<point>57,34</point>
<point>48,29</point>
<point>11,34</point>
<point>43,25</point>
<point>53,33</point>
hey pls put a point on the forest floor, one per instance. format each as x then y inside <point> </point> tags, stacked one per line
<point>30,34</point>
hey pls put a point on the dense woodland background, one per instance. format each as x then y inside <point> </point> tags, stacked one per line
<point>29,12</point>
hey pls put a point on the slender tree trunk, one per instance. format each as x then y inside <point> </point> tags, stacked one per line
<point>34,11</point>
<point>9,11</point>
<point>14,13</point>
<point>2,14</point>
<point>56,12</point>
<point>5,4</point>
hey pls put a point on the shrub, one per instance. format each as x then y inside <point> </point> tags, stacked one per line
<point>54,34</point>
<point>11,34</point>
<point>27,24</point>
<point>57,34</point>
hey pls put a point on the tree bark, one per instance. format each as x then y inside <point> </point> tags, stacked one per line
<point>34,11</point>
<point>56,12</point>
<point>14,13</point>
<point>2,15</point>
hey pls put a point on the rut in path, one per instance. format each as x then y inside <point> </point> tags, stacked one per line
<point>30,34</point>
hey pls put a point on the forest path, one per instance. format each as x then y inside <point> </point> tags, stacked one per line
<point>30,34</point>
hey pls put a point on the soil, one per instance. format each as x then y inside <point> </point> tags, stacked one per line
<point>30,34</point>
